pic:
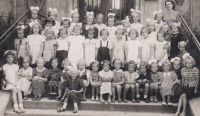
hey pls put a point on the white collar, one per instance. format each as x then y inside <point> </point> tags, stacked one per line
<point>81,71</point>
<point>166,73</point>
<point>118,70</point>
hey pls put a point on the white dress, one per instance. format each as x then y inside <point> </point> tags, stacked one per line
<point>99,27</point>
<point>153,35</point>
<point>35,41</point>
<point>56,27</point>
<point>137,26</point>
<point>24,83</point>
<point>158,49</point>
<point>10,74</point>
<point>106,86</point>
<point>146,46</point>
<point>76,49</point>
<point>112,36</point>
<point>133,46</point>
<point>118,49</point>
<point>90,46</point>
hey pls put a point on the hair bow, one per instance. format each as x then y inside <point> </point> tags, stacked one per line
<point>111,14</point>
<point>34,8</point>
<point>176,58</point>
<point>87,27</point>
<point>120,26</point>
<point>21,26</point>
<point>64,18</point>
<point>154,13</point>
<point>135,10</point>
<point>125,20</point>
<point>12,51</point>
<point>149,20</point>
<point>186,55</point>
<point>152,61</point>
<point>74,11</point>
<point>128,29</point>
<point>79,24</point>
<point>90,13</point>
<point>31,24</point>
<point>53,9</point>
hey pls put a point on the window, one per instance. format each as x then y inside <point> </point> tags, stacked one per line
<point>115,4</point>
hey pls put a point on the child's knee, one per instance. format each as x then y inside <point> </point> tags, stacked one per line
<point>156,87</point>
<point>118,87</point>
<point>132,86</point>
<point>84,82</point>
<point>137,85</point>
<point>151,86</point>
<point>127,86</point>
<point>146,85</point>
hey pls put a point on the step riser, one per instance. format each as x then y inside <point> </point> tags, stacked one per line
<point>103,107</point>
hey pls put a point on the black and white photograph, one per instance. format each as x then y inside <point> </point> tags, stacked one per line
<point>99,57</point>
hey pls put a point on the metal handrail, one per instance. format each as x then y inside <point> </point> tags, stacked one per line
<point>13,25</point>
<point>190,31</point>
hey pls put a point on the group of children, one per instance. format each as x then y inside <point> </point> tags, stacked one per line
<point>67,58</point>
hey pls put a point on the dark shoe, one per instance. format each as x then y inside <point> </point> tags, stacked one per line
<point>58,98</point>
<point>34,98</point>
<point>25,97</point>
<point>75,110</point>
<point>119,100</point>
<point>113,100</point>
<point>138,100</point>
<point>62,99</point>
<point>146,100</point>
<point>133,100</point>
<point>60,109</point>
<point>39,98</point>
<point>125,101</point>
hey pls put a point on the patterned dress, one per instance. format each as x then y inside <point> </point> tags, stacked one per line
<point>170,16</point>
<point>49,46</point>
<point>117,76</point>
<point>54,78</point>
<point>106,78</point>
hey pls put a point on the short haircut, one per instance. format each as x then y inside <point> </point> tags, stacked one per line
<point>189,58</point>
<point>66,61</point>
<point>104,30</point>
<point>65,20</point>
<point>133,30</point>
<point>106,62</point>
<point>145,28</point>
<point>111,17</point>
<point>51,30</point>
<point>132,62</point>
<point>49,20</point>
<point>90,30</point>
<point>40,28</point>
<point>94,62</point>
<point>173,3</point>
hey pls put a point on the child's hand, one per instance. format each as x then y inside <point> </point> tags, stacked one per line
<point>178,81</point>
<point>144,80</point>
<point>195,91</point>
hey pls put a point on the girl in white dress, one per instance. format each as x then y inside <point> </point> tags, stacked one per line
<point>158,16</point>
<point>146,44</point>
<point>133,47</point>
<point>11,80</point>
<point>106,76</point>
<point>53,15</point>
<point>159,49</point>
<point>135,20</point>
<point>90,45</point>
<point>99,25</point>
<point>152,29</point>
<point>76,46</point>
<point>111,28</point>
<point>126,27</point>
<point>25,77</point>
<point>75,20</point>
<point>35,43</point>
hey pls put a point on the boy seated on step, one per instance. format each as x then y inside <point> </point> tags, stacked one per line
<point>74,90</point>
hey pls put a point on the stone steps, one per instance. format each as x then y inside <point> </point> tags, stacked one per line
<point>51,112</point>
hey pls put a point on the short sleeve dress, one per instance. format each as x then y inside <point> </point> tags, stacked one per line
<point>111,30</point>
<point>35,41</point>
<point>90,45</point>
<point>117,76</point>
<point>131,77</point>
<point>137,26</point>
<point>118,49</point>
<point>22,43</point>
<point>146,44</point>
<point>133,46</point>
<point>106,85</point>
<point>48,52</point>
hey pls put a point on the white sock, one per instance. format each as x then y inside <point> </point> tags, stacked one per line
<point>75,105</point>
<point>16,106</point>
<point>65,105</point>
<point>145,96</point>
<point>21,106</point>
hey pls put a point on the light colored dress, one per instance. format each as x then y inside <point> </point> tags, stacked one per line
<point>158,50</point>
<point>10,74</point>
<point>56,27</point>
<point>22,47</point>
<point>133,46</point>
<point>24,83</point>
<point>100,27</point>
<point>118,49</point>
<point>35,41</point>
<point>137,26</point>
<point>90,45</point>
<point>131,77</point>
<point>106,86</point>
<point>76,49</point>
<point>153,35</point>
<point>158,25</point>
<point>167,79</point>
<point>146,46</point>
<point>111,30</point>
<point>48,52</point>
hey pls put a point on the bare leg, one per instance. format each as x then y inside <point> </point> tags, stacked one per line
<point>125,92</point>
<point>93,88</point>
<point>119,89</point>
<point>84,91</point>
<point>14,95</point>
<point>113,93</point>
<point>184,103</point>
<point>19,96</point>
<point>146,90</point>
<point>179,105</point>
<point>59,92</point>
<point>133,91</point>
<point>109,98</point>
<point>97,91</point>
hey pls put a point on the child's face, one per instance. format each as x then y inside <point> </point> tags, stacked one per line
<point>135,18</point>
<point>126,26</point>
<point>106,67</point>
<point>36,29</point>
<point>159,17</point>
<point>75,18</point>
<point>104,35</point>
<point>143,69</point>
<point>77,30</point>
<point>111,22</point>
<point>117,64</point>
<point>20,34</point>
<point>34,14</point>
<point>63,34</point>
<point>144,33</point>
<point>49,33</point>
<point>66,66</point>
<point>48,24</point>
<point>119,34</point>
<point>66,24</point>
<point>176,64</point>
<point>10,58</point>
<point>99,19</point>
<point>95,67</point>
<point>174,29</point>
<point>132,35</point>
<point>90,35</point>
<point>189,64</point>
<point>182,48</point>
<point>151,26</point>
<point>26,64</point>
<point>52,16</point>
<point>74,75</point>
<point>131,68</point>
<point>165,28</point>
<point>54,63</point>
<point>166,67</point>
<point>90,20</point>
<point>40,63</point>
<point>81,66</point>
<point>154,68</point>
<point>160,37</point>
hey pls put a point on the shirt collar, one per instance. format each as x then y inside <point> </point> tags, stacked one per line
<point>166,73</point>
<point>118,70</point>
